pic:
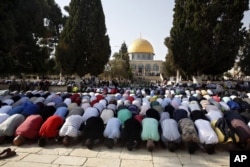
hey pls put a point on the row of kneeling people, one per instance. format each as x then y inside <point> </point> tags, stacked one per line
<point>94,118</point>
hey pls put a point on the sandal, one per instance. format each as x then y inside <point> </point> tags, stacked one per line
<point>7,154</point>
<point>5,150</point>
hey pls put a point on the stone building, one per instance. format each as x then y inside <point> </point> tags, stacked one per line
<point>141,56</point>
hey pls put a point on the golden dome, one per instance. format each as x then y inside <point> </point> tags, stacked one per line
<point>140,46</point>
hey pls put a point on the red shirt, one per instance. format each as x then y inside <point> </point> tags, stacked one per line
<point>30,127</point>
<point>50,128</point>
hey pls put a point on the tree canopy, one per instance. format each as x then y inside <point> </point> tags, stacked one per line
<point>120,67</point>
<point>84,44</point>
<point>22,27</point>
<point>206,35</point>
<point>244,56</point>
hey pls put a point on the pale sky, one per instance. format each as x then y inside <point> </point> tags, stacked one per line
<point>127,20</point>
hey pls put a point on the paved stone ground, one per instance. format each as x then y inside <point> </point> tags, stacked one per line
<point>100,156</point>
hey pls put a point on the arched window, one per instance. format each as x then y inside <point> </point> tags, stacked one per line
<point>140,69</point>
<point>148,67</point>
<point>141,66</point>
<point>155,67</point>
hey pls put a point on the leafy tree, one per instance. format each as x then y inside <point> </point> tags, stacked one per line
<point>123,66</point>
<point>206,35</point>
<point>27,55</point>
<point>244,57</point>
<point>54,22</point>
<point>84,45</point>
<point>168,65</point>
<point>124,54</point>
<point>117,68</point>
<point>54,19</point>
<point>21,31</point>
<point>7,35</point>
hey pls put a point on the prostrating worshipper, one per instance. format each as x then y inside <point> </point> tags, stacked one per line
<point>213,113</point>
<point>8,127</point>
<point>107,114</point>
<point>76,110</point>
<point>131,133</point>
<point>30,108</point>
<point>178,114</point>
<point>4,112</point>
<point>170,134</point>
<point>225,133</point>
<point>240,127</point>
<point>93,111</point>
<point>93,132</point>
<point>150,128</point>
<point>189,135</point>
<point>46,111</point>
<point>50,128</point>
<point>207,135</point>
<point>112,132</point>
<point>124,114</point>
<point>71,129</point>
<point>28,129</point>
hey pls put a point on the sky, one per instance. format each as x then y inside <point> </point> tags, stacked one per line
<point>127,20</point>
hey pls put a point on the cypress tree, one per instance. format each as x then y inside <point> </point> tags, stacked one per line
<point>244,57</point>
<point>84,44</point>
<point>206,35</point>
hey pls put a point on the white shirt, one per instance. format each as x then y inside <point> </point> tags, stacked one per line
<point>170,131</point>
<point>71,126</point>
<point>205,132</point>
<point>106,115</point>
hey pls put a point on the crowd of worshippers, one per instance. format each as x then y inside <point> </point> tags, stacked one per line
<point>26,85</point>
<point>157,118</point>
